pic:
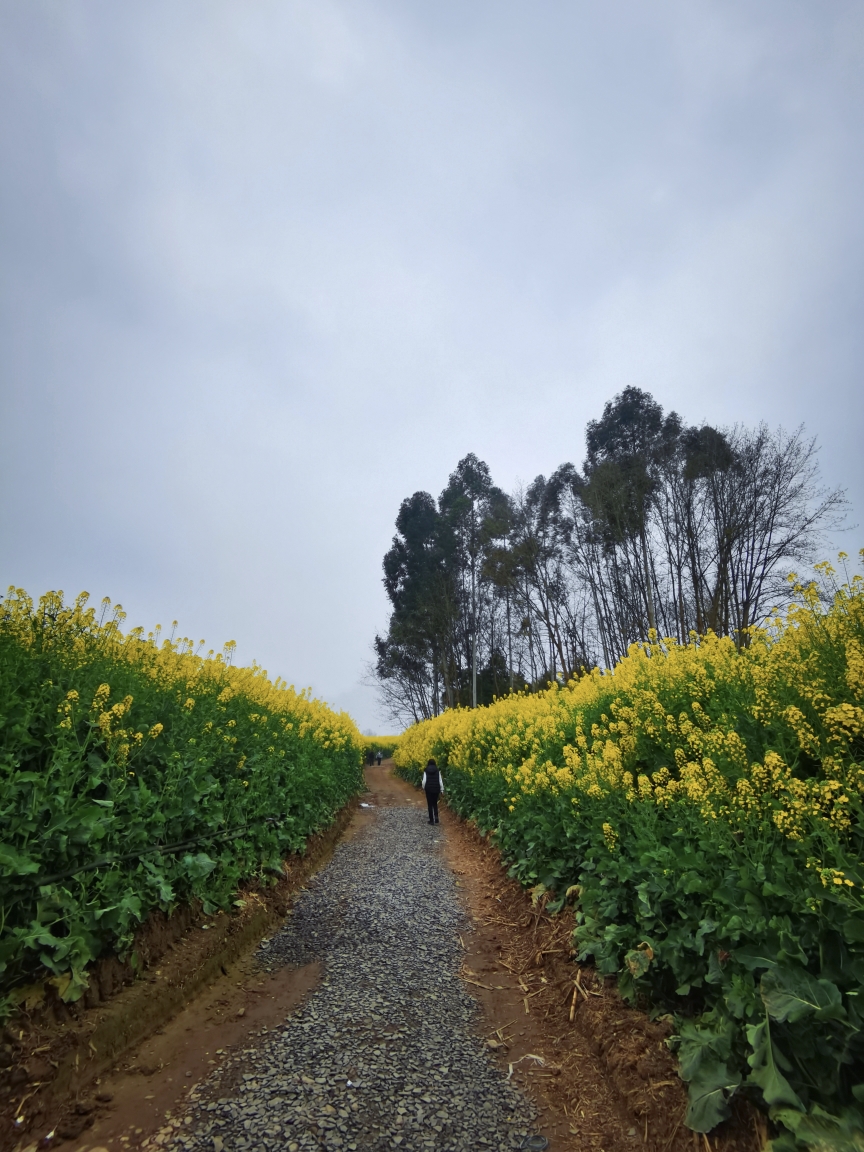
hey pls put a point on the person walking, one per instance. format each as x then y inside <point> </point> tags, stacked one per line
<point>433,785</point>
<point>378,758</point>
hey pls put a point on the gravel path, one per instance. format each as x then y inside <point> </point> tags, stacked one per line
<point>383,1054</point>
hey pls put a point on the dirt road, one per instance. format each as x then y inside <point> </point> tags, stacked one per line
<point>384,1052</point>
<point>414,999</point>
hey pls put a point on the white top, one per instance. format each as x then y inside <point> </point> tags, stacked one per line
<point>440,777</point>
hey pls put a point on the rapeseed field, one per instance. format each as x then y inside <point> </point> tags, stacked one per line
<point>700,805</point>
<point>137,773</point>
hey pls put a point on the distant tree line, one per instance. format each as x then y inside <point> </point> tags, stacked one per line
<point>666,528</point>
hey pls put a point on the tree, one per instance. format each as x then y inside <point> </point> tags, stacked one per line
<point>438,584</point>
<point>667,529</point>
<point>625,449</point>
<point>775,513</point>
<point>413,655</point>
<point>472,509</point>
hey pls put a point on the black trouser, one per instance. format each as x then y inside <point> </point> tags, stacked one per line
<point>432,805</point>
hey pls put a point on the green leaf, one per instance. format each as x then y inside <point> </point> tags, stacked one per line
<point>702,1042</point>
<point>750,956</point>
<point>76,987</point>
<point>824,1132</point>
<point>706,927</point>
<point>776,1089</point>
<point>198,866</point>
<point>790,994</point>
<point>15,864</point>
<point>708,1095</point>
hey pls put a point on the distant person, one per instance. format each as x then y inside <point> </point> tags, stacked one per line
<point>433,785</point>
<point>378,759</point>
<point>370,757</point>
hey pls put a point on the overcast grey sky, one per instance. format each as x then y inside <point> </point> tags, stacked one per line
<point>267,267</point>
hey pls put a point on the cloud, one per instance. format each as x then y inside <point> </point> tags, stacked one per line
<point>267,269</point>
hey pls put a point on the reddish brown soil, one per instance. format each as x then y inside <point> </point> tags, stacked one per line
<point>134,1101</point>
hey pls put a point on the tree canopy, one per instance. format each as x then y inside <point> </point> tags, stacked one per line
<point>665,528</point>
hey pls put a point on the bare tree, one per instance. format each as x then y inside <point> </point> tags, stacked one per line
<point>776,513</point>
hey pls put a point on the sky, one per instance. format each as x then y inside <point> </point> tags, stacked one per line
<point>267,268</point>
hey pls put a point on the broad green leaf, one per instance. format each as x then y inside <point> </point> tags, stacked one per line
<point>16,864</point>
<point>198,866</point>
<point>76,987</point>
<point>790,994</point>
<point>776,1089</point>
<point>708,1094</point>
<point>751,957</point>
<point>715,973</point>
<point>131,904</point>
<point>706,927</point>
<point>708,1042</point>
<point>823,1132</point>
<point>790,1117</point>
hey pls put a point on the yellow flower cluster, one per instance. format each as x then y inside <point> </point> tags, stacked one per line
<point>829,876</point>
<point>67,708</point>
<point>774,729</point>
<point>171,664</point>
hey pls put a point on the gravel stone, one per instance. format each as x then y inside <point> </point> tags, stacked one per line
<point>383,1054</point>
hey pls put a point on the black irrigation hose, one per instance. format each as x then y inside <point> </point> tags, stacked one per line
<point>156,849</point>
